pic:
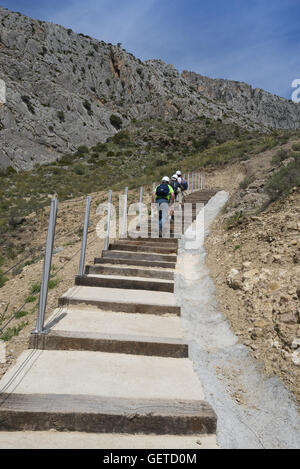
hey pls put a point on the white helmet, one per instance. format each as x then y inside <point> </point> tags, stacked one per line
<point>175,177</point>
<point>166,179</point>
<point>178,173</point>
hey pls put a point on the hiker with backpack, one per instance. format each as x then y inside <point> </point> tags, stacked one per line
<point>175,185</point>
<point>163,195</point>
<point>183,186</point>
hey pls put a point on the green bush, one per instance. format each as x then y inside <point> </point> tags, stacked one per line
<point>236,219</point>
<point>284,180</point>
<point>12,331</point>
<point>35,288</point>
<point>53,283</point>
<point>66,160</point>
<point>10,171</point>
<point>21,314</point>
<point>79,169</point>
<point>121,137</point>
<point>82,150</point>
<point>3,279</point>
<point>116,121</point>
<point>280,156</point>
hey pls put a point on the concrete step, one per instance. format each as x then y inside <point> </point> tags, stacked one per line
<point>97,342</point>
<point>81,440</point>
<point>63,412</point>
<point>122,300</point>
<point>143,256</point>
<point>155,240</point>
<point>102,392</point>
<point>148,243</point>
<point>98,331</point>
<point>118,281</point>
<point>142,248</point>
<point>129,271</point>
<point>135,262</point>
<point>89,319</point>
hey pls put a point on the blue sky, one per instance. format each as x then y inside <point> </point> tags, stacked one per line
<point>256,41</point>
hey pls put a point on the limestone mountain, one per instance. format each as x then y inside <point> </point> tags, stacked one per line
<point>66,89</point>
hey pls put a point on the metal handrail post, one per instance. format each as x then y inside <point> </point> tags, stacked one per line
<point>141,208</point>
<point>203,180</point>
<point>192,182</point>
<point>84,235</point>
<point>188,181</point>
<point>106,243</point>
<point>124,221</point>
<point>47,267</point>
<point>199,177</point>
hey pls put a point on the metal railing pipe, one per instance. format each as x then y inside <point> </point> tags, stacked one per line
<point>141,208</point>
<point>84,235</point>
<point>124,221</point>
<point>47,267</point>
<point>106,242</point>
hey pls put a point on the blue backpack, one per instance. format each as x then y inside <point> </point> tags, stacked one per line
<point>184,186</point>
<point>162,191</point>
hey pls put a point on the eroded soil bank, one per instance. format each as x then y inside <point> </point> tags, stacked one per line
<point>254,410</point>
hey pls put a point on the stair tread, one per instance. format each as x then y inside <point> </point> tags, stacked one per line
<point>88,319</point>
<point>121,295</point>
<point>102,374</point>
<point>123,277</point>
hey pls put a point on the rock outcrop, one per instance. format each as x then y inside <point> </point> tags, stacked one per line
<point>63,88</point>
<point>255,104</point>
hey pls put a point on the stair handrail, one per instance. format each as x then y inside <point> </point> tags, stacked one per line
<point>47,267</point>
<point>124,221</point>
<point>84,235</point>
<point>106,242</point>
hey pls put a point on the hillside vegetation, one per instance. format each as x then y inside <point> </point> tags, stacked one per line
<point>138,155</point>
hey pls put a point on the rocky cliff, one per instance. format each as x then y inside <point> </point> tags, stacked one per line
<point>66,89</point>
<point>256,104</point>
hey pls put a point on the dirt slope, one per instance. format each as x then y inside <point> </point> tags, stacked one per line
<point>256,268</point>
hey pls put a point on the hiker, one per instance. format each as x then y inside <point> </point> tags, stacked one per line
<point>175,185</point>
<point>176,188</point>
<point>183,186</point>
<point>163,195</point>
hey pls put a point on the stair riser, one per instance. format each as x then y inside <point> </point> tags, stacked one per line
<point>135,262</point>
<point>129,347</point>
<point>148,244</point>
<point>138,256</point>
<point>103,270</point>
<point>123,283</point>
<point>141,248</point>
<point>122,307</point>
<point>130,423</point>
<point>150,240</point>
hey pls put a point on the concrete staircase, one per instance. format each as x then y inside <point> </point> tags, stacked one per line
<point>113,359</point>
